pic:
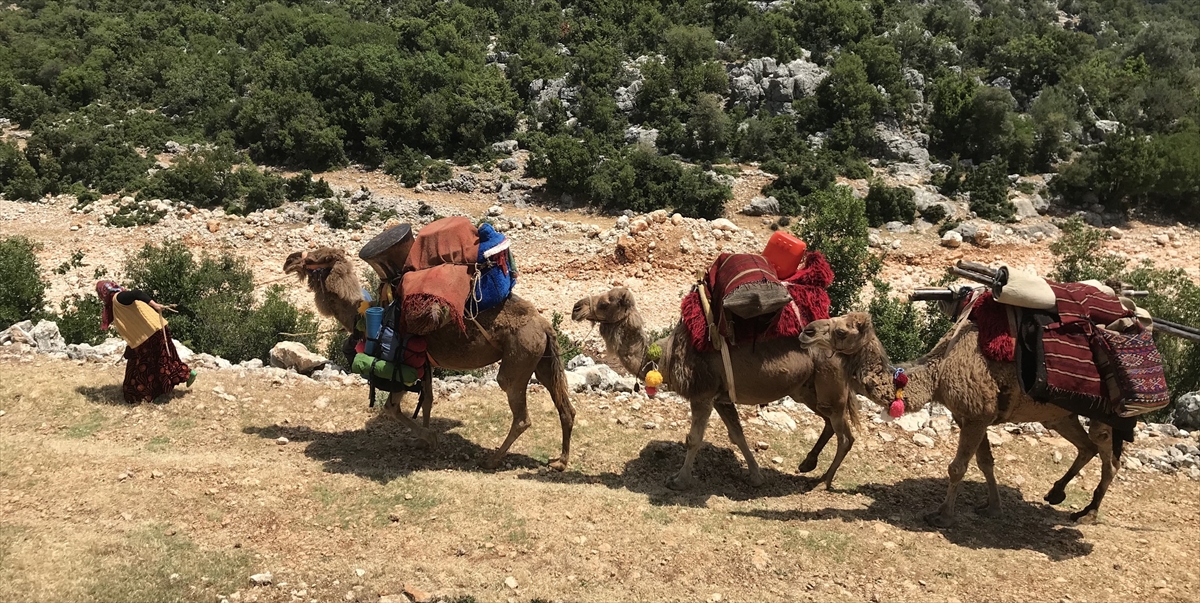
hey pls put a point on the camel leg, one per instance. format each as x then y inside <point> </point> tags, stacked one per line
<point>987,464</point>
<point>810,461</point>
<point>845,437</point>
<point>701,411</point>
<point>968,444</point>
<point>1072,431</point>
<point>426,400</point>
<point>513,378</point>
<point>550,373</point>
<point>733,424</point>
<point>392,407</point>
<point>1102,436</point>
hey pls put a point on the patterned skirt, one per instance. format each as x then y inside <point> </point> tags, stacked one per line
<point>153,369</point>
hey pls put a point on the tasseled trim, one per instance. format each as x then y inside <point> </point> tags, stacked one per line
<point>424,313</point>
<point>995,341</point>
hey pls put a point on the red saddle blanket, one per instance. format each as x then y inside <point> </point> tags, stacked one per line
<point>809,302</point>
<point>1069,343</point>
<point>437,275</point>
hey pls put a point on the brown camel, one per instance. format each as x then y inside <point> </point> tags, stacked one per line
<point>977,391</point>
<point>767,372</point>
<point>512,333</point>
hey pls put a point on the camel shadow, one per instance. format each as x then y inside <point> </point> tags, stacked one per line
<point>113,395</point>
<point>383,450</point>
<point>718,471</point>
<point>1022,525</point>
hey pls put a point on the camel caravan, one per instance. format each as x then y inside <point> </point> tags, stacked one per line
<point>755,329</point>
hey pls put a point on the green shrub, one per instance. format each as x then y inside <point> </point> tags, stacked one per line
<point>208,179</point>
<point>988,185</point>
<point>889,203</point>
<point>24,292</point>
<point>217,312</point>
<point>438,171</point>
<point>78,319</point>
<point>836,225</point>
<point>815,172</point>
<point>643,181</point>
<point>335,213</point>
<point>906,331</point>
<point>568,348</point>
<point>934,213</point>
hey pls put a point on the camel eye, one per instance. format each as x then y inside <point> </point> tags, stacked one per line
<point>602,305</point>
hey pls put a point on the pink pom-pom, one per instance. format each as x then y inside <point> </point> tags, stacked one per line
<point>901,380</point>
<point>650,391</point>
<point>896,409</point>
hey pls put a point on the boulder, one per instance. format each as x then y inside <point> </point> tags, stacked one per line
<point>293,355</point>
<point>47,337</point>
<point>1187,411</point>
<point>640,135</point>
<point>745,89</point>
<point>780,90</point>
<point>762,206</point>
<point>1025,207</point>
<point>185,354</point>
<point>579,361</point>
<point>576,381</point>
<point>952,239</point>
<point>1106,128</point>
<point>508,147</point>
<point>509,165</point>
<point>806,77</point>
<point>913,421</point>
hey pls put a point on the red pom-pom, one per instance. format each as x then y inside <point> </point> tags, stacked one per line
<point>901,380</point>
<point>896,409</point>
<point>361,346</point>
<point>650,391</point>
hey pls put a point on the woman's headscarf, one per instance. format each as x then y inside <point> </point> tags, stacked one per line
<point>107,290</point>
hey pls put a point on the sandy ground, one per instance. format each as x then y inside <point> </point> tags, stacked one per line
<point>186,500</point>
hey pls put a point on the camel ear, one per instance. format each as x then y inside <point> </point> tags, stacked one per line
<point>624,298</point>
<point>862,320</point>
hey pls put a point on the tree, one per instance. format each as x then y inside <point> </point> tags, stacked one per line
<point>849,104</point>
<point>889,203</point>
<point>709,126</point>
<point>836,225</point>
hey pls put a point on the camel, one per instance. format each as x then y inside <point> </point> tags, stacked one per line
<point>978,392</point>
<point>763,373</point>
<point>512,333</point>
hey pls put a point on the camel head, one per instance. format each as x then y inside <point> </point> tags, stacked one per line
<point>607,308</point>
<point>845,334</point>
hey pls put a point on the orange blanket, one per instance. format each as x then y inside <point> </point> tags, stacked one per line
<point>437,275</point>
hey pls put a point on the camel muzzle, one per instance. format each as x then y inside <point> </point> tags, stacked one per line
<point>580,311</point>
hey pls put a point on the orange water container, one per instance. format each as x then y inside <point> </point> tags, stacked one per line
<point>784,251</point>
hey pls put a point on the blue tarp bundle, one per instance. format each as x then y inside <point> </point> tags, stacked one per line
<point>498,273</point>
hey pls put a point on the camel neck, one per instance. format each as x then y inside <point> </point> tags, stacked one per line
<point>919,392</point>
<point>627,340</point>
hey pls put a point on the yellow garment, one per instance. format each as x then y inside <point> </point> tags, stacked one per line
<point>136,323</point>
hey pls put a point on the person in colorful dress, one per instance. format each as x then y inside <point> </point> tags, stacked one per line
<point>153,367</point>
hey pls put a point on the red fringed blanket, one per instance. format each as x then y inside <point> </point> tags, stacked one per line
<point>809,302</point>
<point>437,278</point>
<point>1070,362</point>
<point>995,340</point>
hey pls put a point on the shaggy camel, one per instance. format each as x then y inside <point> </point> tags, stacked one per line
<point>767,372</point>
<point>977,391</point>
<point>512,333</point>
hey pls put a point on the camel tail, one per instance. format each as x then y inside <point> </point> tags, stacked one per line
<point>852,412</point>
<point>552,374</point>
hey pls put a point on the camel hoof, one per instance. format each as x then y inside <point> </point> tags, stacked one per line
<point>937,520</point>
<point>679,483</point>
<point>756,480</point>
<point>1086,516</point>
<point>491,463</point>
<point>1055,497</point>
<point>807,466</point>
<point>986,510</point>
<point>429,440</point>
<point>558,465</point>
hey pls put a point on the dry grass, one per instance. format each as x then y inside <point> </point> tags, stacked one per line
<point>183,501</point>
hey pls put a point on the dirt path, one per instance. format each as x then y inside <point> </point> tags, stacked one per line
<point>185,500</point>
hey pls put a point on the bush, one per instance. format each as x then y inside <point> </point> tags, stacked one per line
<point>816,172</point>
<point>836,224</point>
<point>24,292</point>
<point>988,185</point>
<point>934,213</point>
<point>302,187</point>
<point>207,179</point>
<point>438,171</point>
<point>217,313</point>
<point>906,331</point>
<point>568,348</point>
<point>79,319</point>
<point>890,203</point>
<point>643,181</point>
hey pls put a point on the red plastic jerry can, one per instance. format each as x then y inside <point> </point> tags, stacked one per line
<point>784,251</point>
